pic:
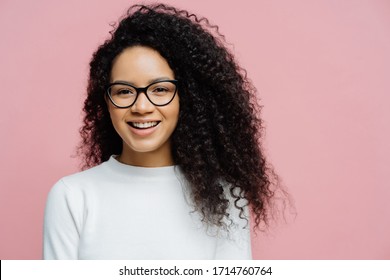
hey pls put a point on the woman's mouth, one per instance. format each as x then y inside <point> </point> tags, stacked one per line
<point>143,125</point>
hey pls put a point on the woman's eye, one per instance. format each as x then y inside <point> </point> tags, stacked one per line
<point>124,92</point>
<point>160,90</point>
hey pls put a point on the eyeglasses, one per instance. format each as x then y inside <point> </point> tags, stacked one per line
<point>124,95</point>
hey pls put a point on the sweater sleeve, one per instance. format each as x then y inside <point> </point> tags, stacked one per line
<point>61,226</point>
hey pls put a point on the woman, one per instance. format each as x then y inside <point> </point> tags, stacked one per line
<point>172,131</point>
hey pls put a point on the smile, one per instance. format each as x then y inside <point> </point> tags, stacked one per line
<point>143,125</point>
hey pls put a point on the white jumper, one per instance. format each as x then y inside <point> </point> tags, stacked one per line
<point>118,211</point>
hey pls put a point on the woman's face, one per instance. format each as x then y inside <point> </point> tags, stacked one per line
<point>144,128</point>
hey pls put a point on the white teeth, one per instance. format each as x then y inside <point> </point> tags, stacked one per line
<point>145,124</point>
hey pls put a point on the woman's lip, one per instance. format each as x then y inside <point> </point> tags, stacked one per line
<point>143,121</point>
<point>143,131</point>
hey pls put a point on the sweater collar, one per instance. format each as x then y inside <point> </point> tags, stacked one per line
<point>139,171</point>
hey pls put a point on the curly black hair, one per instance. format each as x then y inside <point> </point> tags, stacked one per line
<point>217,141</point>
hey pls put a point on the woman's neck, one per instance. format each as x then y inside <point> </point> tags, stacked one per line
<point>157,158</point>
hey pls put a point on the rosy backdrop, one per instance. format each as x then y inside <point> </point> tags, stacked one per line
<point>322,69</point>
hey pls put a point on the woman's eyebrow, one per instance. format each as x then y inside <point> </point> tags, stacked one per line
<point>159,79</point>
<point>149,81</point>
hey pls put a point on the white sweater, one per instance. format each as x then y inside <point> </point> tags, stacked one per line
<point>118,211</point>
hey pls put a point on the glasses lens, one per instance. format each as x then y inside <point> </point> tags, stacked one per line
<point>161,93</point>
<point>122,95</point>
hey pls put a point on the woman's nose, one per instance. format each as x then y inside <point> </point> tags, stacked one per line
<point>142,105</point>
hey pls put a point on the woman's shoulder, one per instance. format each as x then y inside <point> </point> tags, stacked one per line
<point>81,181</point>
<point>92,174</point>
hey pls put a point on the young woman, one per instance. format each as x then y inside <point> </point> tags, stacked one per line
<point>172,133</point>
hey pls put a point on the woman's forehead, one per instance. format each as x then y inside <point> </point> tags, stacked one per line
<point>140,64</point>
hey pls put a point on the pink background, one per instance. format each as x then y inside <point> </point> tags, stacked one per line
<point>322,69</point>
